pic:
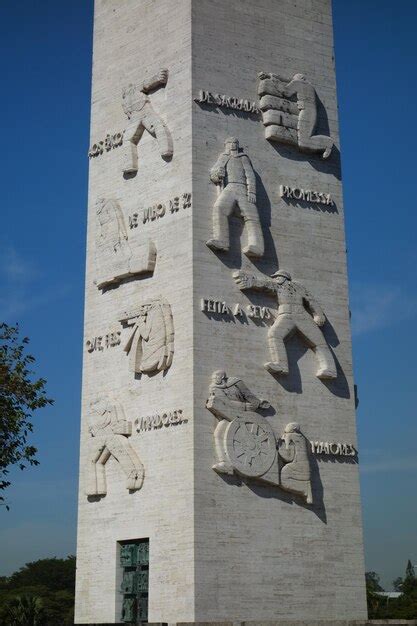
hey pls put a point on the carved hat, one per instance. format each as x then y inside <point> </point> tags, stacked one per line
<point>283,273</point>
<point>231,140</point>
<point>292,427</point>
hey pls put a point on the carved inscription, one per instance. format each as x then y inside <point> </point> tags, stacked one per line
<point>227,102</point>
<point>107,144</point>
<point>334,449</point>
<point>102,342</point>
<point>295,193</point>
<point>220,307</point>
<point>159,420</point>
<point>156,211</point>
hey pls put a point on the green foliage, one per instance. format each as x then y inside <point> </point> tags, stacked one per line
<point>50,584</point>
<point>372,587</point>
<point>20,395</point>
<point>404,607</point>
<point>25,610</point>
<point>55,574</point>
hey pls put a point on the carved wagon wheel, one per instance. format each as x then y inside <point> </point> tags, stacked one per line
<point>250,445</point>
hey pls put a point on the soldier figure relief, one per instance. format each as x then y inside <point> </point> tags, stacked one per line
<point>139,111</point>
<point>228,398</point>
<point>233,174</point>
<point>290,121</point>
<point>110,431</point>
<point>292,317</point>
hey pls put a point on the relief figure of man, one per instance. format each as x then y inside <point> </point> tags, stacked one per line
<point>229,398</point>
<point>234,175</point>
<point>110,432</point>
<point>307,117</point>
<point>142,116</point>
<point>306,97</point>
<point>292,317</point>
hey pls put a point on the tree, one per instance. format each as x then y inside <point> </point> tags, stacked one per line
<point>51,582</point>
<point>373,599</point>
<point>55,574</point>
<point>20,395</point>
<point>408,580</point>
<point>25,610</point>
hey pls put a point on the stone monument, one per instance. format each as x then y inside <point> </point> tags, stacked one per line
<point>219,463</point>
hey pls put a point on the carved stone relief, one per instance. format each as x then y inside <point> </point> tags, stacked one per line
<point>229,398</point>
<point>110,431</point>
<point>289,112</point>
<point>141,115</point>
<point>245,443</point>
<point>293,450</point>
<point>114,258</point>
<point>292,317</point>
<point>151,342</point>
<point>236,187</point>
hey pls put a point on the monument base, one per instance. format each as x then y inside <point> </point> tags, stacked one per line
<point>283,622</point>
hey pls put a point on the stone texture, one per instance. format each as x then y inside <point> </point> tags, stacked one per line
<point>221,548</point>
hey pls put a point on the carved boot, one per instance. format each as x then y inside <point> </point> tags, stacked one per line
<point>253,251</point>
<point>217,245</point>
<point>276,368</point>
<point>326,373</point>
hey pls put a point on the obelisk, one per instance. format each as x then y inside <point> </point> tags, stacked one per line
<point>219,461</point>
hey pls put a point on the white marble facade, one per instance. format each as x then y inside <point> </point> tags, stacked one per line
<point>223,546</point>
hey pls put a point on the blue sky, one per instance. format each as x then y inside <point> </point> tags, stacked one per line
<point>45,66</point>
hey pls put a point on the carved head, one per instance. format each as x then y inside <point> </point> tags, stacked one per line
<point>232,145</point>
<point>281,276</point>
<point>292,427</point>
<point>218,377</point>
<point>292,433</point>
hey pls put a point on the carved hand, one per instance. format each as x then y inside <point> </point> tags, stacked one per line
<point>320,319</point>
<point>217,175</point>
<point>252,197</point>
<point>263,75</point>
<point>243,280</point>
<point>264,404</point>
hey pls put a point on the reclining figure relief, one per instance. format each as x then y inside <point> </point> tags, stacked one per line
<point>115,259</point>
